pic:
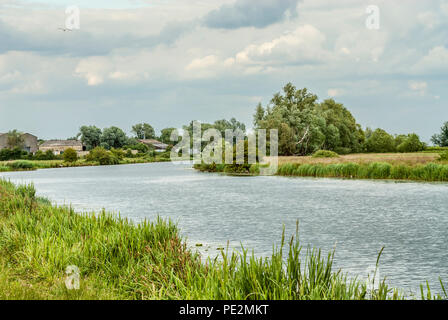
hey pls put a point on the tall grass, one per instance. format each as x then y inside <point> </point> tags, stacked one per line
<point>377,170</point>
<point>122,260</point>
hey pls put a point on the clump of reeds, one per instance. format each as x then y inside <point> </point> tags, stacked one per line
<point>376,170</point>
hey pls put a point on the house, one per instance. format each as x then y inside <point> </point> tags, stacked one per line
<point>29,142</point>
<point>59,146</point>
<point>157,145</point>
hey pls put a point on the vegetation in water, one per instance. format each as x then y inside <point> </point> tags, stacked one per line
<point>118,259</point>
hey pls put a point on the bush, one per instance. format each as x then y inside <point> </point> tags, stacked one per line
<point>70,155</point>
<point>12,154</point>
<point>325,154</point>
<point>21,165</point>
<point>102,156</point>
<point>411,143</point>
<point>444,156</point>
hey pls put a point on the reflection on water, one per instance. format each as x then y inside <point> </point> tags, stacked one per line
<point>359,217</point>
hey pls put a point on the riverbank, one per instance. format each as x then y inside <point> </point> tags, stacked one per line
<point>121,260</point>
<point>413,167</point>
<point>25,165</point>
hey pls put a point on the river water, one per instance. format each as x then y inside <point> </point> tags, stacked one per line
<point>357,217</point>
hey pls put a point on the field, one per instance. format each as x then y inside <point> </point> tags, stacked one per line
<point>121,260</point>
<point>366,158</point>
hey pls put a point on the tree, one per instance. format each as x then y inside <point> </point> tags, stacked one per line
<point>380,141</point>
<point>70,155</point>
<point>90,136</point>
<point>165,136</point>
<point>259,115</point>
<point>15,139</point>
<point>233,124</point>
<point>113,137</point>
<point>342,133</point>
<point>304,124</point>
<point>144,131</point>
<point>441,139</point>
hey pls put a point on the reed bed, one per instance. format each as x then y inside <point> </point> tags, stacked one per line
<point>375,170</point>
<point>122,260</point>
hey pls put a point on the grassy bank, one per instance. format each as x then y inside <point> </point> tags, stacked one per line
<point>24,165</point>
<point>121,260</point>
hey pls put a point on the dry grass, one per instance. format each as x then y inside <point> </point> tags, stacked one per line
<point>365,158</point>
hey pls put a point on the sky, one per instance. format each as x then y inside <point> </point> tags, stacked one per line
<point>168,62</point>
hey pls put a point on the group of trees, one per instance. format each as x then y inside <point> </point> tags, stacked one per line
<point>305,126</point>
<point>441,139</point>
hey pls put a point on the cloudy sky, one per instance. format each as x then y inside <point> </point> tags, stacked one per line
<point>167,62</point>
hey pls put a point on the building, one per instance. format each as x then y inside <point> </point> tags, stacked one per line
<point>59,146</point>
<point>29,142</point>
<point>157,145</point>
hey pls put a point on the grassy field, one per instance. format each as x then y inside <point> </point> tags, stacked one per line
<point>366,158</point>
<point>120,260</point>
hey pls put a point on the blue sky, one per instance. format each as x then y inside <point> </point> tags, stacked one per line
<point>167,62</point>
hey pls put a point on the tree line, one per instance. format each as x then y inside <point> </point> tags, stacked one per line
<point>306,125</point>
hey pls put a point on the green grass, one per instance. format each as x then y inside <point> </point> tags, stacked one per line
<point>121,260</point>
<point>20,165</point>
<point>376,170</point>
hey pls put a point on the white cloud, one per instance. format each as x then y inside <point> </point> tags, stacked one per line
<point>436,61</point>
<point>303,46</point>
<point>202,63</point>
<point>334,92</point>
<point>418,86</point>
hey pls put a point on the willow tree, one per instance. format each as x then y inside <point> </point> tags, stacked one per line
<point>304,125</point>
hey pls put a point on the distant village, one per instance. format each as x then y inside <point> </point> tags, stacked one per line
<point>31,144</point>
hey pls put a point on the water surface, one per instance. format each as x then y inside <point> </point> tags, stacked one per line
<point>359,217</point>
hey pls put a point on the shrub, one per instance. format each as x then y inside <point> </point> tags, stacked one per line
<point>411,143</point>
<point>444,156</point>
<point>70,155</point>
<point>325,154</point>
<point>102,156</point>
<point>21,165</point>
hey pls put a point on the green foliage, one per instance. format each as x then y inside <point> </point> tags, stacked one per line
<point>143,131</point>
<point>444,156</point>
<point>11,154</point>
<point>117,153</point>
<point>90,136</point>
<point>165,136</point>
<point>325,154</point>
<point>377,170</point>
<point>102,156</point>
<point>113,137</point>
<point>47,155</point>
<point>380,141</point>
<point>15,139</point>
<point>305,126</point>
<point>410,143</point>
<point>441,139</point>
<point>21,165</point>
<point>70,155</point>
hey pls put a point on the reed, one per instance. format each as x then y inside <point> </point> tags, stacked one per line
<point>122,260</point>
<point>375,170</point>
